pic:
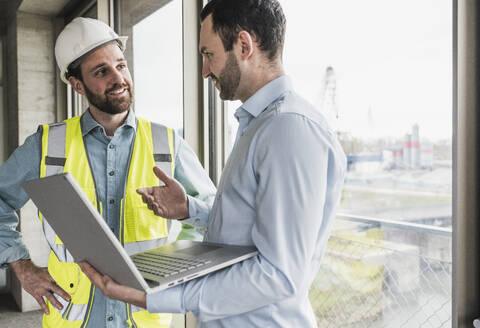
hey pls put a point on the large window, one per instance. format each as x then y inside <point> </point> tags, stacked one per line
<point>380,71</point>
<point>157,62</point>
<point>155,55</point>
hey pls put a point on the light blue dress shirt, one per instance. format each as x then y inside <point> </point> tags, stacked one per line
<point>278,191</point>
<point>107,154</point>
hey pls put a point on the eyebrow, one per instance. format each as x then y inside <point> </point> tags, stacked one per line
<point>104,64</point>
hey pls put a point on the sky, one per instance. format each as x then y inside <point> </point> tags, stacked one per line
<point>157,46</point>
<point>392,59</point>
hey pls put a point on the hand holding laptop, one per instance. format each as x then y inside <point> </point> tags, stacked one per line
<point>168,201</point>
<point>73,216</point>
<point>113,290</point>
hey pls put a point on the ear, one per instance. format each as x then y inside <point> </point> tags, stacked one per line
<point>77,85</point>
<point>246,43</point>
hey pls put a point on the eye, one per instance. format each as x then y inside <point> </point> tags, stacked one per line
<point>122,66</point>
<point>100,72</point>
<point>207,55</point>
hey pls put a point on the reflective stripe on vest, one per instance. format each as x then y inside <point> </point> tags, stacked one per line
<point>53,144</point>
<point>63,151</point>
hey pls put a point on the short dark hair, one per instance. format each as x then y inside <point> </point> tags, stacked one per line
<point>264,19</point>
<point>75,71</point>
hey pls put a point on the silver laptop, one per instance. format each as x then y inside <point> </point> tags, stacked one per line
<point>87,237</point>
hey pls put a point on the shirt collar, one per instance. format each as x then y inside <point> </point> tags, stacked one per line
<point>265,96</point>
<point>89,123</point>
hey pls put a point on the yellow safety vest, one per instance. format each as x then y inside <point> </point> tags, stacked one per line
<point>63,150</point>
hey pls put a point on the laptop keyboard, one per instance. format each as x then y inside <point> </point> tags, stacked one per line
<point>163,265</point>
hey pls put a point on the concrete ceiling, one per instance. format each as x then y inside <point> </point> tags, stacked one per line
<point>43,7</point>
<point>51,8</point>
<point>7,12</point>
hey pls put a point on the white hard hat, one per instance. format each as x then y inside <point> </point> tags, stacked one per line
<point>80,37</point>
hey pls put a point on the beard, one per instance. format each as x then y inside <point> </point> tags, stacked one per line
<point>229,78</point>
<point>107,105</point>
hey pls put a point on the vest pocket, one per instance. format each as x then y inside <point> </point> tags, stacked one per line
<point>66,275</point>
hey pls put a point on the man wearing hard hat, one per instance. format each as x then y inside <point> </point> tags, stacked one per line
<point>111,153</point>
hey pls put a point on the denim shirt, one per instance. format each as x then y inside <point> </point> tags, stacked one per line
<point>106,154</point>
<point>278,191</point>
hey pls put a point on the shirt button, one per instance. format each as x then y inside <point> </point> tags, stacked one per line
<point>110,318</point>
<point>111,146</point>
<point>111,173</point>
<point>112,201</point>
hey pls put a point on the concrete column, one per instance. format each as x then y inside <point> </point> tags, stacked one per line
<point>36,87</point>
<point>466,159</point>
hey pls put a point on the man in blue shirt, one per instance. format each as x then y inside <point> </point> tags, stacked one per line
<point>279,188</point>
<point>95,67</point>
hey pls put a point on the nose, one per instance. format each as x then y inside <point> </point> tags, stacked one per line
<point>205,69</point>
<point>117,77</point>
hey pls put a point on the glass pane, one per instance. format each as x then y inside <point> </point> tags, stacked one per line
<point>155,56</point>
<point>380,71</point>
<point>158,67</point>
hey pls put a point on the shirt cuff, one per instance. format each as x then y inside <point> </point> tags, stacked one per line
<point>13,254</point>
<point>198,211</point>
<point>166,301</point>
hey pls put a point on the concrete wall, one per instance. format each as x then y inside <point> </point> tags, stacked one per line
<point>34,104</point>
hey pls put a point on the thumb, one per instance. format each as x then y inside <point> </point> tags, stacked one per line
<point>161,175</point>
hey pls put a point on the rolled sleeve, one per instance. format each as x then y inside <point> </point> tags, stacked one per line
<point>12,253</point>
<point>21,166</point>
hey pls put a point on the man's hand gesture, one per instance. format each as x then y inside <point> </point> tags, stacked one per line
<point>168,201</point>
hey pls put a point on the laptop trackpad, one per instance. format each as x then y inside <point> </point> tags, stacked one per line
<point>197,250</point>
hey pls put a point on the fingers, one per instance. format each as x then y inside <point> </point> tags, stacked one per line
<point>150,201</point>
<point>145,191</point>
<point>48,293</point>
<point>53,300</point>
<point>92,274</point>
<point>60,292</point>
<point>147,195</point>
<point>161,175</point>
<point>42,303</point>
